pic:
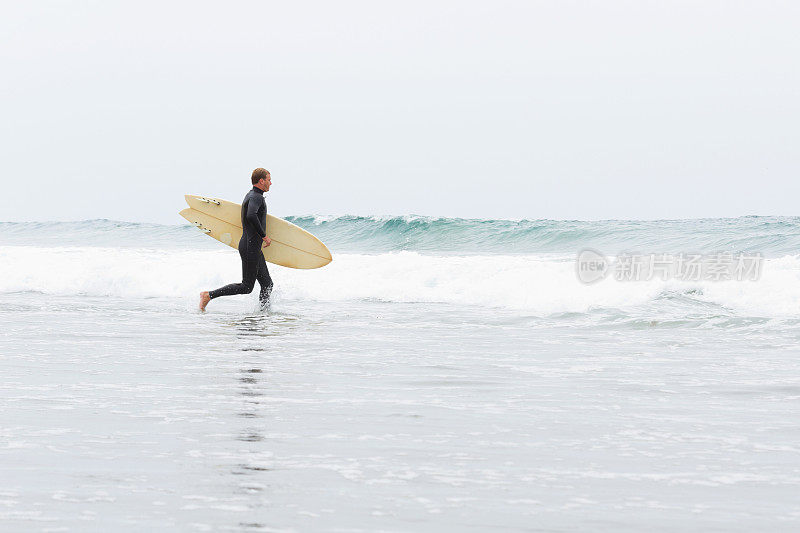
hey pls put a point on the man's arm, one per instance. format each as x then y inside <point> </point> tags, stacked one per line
<point>252,216</point>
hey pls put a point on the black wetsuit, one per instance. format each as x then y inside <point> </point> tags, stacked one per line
<point>254,220</point>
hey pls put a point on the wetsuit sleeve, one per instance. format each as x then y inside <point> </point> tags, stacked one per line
<point>252,216</point>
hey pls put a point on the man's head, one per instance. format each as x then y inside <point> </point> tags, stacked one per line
<point>261,179</point>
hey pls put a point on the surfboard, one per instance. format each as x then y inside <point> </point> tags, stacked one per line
<point>292,246</point>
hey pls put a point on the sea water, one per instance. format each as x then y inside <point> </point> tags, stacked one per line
<point>438,375</point>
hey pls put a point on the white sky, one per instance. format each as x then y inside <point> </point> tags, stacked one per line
<point>496,109</point>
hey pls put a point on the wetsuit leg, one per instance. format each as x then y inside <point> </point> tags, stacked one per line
<point>264,279</point>
<point>250,267</point>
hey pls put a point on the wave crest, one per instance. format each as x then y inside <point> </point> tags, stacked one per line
<point>771,236</point>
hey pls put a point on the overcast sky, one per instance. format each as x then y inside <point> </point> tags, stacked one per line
<point>523,109</point>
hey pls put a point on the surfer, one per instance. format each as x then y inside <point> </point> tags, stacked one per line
<point>254,237</point>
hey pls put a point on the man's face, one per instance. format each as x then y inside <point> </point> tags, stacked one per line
<point>266,182</point>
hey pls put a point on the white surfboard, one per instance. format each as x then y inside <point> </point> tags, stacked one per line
<point>292,246</point>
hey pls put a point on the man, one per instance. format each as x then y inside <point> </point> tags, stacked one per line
<point>254,237</point>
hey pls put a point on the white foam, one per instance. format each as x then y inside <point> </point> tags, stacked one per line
<point>539,284</point>
<point>776,293</point>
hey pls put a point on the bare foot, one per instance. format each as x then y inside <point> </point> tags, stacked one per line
<point>204,299</point>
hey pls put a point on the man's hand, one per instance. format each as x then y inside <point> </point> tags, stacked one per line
<point>267,241</point>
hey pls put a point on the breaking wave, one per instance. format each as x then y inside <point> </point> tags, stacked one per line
<point>539,284</point>
<point>771,236</point>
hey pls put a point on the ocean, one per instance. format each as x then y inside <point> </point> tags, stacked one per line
<point>439,375</point>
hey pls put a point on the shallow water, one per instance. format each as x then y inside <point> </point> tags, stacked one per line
<point>129,415</point>
<point>387,392</point>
